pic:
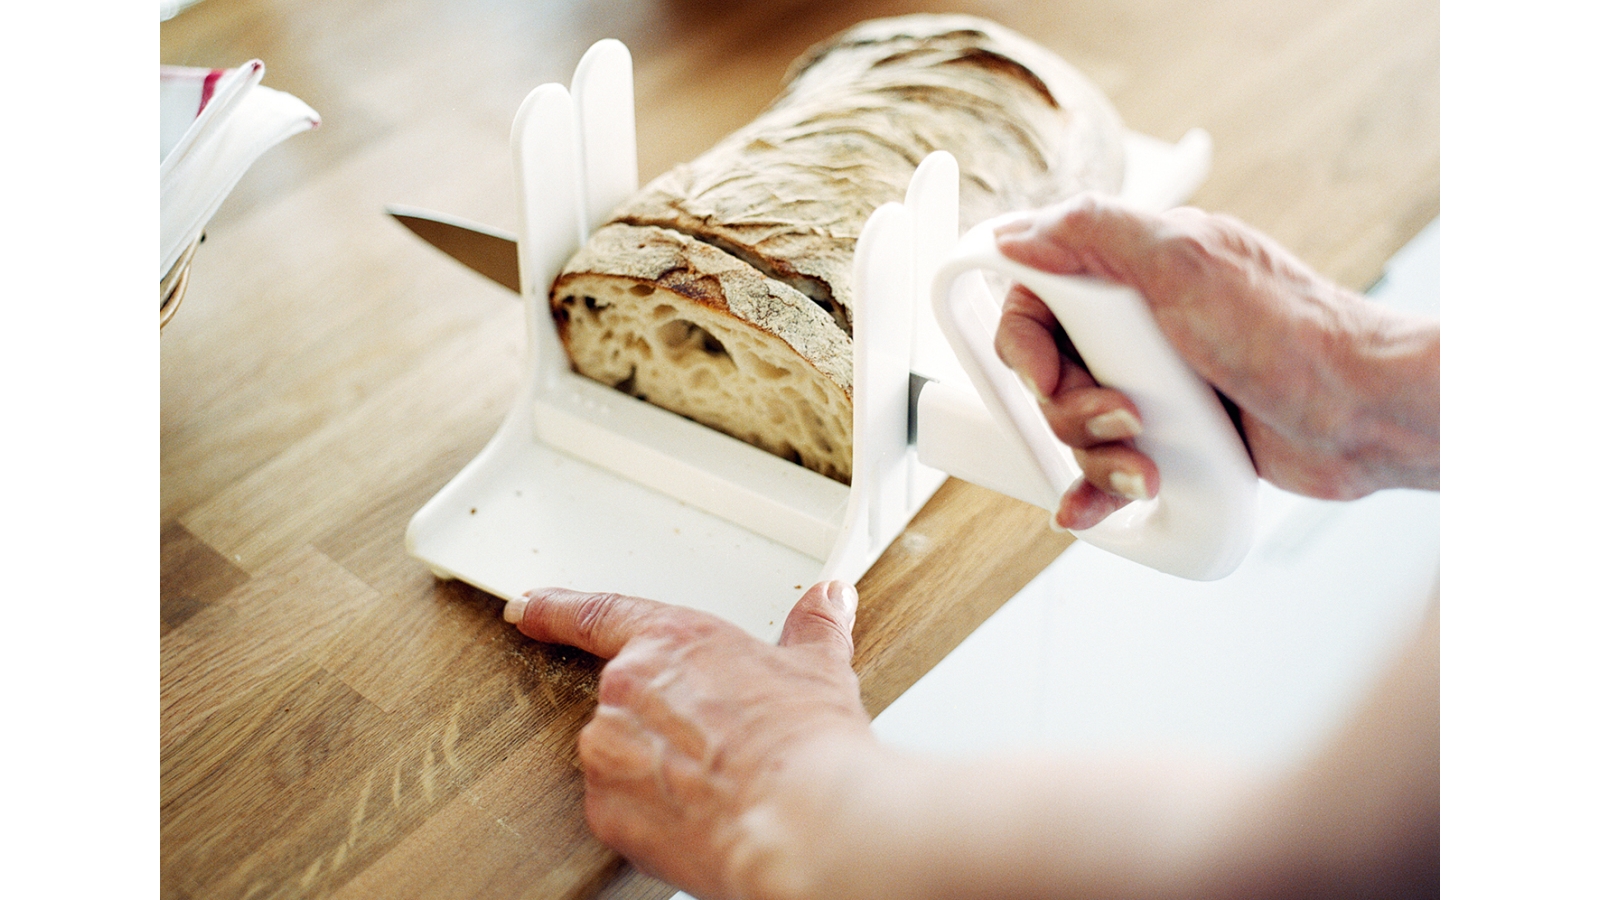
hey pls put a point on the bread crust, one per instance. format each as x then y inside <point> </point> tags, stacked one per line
<point>758,234</point>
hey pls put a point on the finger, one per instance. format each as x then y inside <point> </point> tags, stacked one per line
<point>598,623</point>
<point>1026,340</point>
<point>1091,234</point>
<point>615,747</point>
<point>1084,506</point>
<point>651,836</point>
<point>1029,340</point>
<point>625,818</point>
<point>1089,416</point>
<point>824,617</point>
<point>1119,470</point>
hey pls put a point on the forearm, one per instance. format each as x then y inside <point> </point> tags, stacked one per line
<point>882,824</point>
<point>1030,828</point>
<point>1359,819</point>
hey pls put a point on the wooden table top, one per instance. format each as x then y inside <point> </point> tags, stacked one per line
<point>336,721</point>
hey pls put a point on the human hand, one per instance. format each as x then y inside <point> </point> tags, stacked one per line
<point>712,757</point>
<point>1337,397</point>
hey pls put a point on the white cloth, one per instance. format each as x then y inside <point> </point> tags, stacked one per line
<point>215,123</point>
<point>170,8</point>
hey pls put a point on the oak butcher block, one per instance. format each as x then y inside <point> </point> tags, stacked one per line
<point>336,722</point>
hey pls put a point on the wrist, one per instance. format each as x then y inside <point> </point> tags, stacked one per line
<point>1392,369</point>
<point>800,839</point>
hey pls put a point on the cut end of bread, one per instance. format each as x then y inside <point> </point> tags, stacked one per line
<point>661,332</point>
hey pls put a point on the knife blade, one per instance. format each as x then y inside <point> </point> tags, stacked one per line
<point>488,251</point>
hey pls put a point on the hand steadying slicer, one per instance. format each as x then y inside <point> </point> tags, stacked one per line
<point>586,487</point>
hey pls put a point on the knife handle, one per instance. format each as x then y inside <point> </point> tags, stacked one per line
<point>1201,523</point>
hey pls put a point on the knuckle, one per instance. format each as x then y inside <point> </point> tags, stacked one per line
<point>591,741</point>
<point>1185,251</point>
<point>620,683</point>
<point>603,820</point>
<point>1090,205</point>
<point>684,627</point>
<point>818,621</point>
<point>593,612</point>
<point>608,748</point>
<point>1068,416</point>
<point>1189,216</point>
<point>1179,262</point>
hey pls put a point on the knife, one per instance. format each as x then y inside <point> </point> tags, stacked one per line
<point>488,251</point>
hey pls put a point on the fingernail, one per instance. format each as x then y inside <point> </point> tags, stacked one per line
<point>1032,388</point>
<point>1116,425</point>
<point>843,595</point>
<point>1055,523</point>
<point>1130,485</point>
<point>514,609</point>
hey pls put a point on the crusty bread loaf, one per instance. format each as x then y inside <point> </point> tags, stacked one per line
<point>721,291</point>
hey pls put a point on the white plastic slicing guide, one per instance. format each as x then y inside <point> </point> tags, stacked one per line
<point>586,487</point>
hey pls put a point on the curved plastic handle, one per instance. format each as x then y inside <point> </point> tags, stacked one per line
<point>1201,523</point>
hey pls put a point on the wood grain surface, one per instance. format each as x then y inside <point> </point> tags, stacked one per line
<point>336,722</point>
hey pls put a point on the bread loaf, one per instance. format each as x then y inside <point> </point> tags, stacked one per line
<point>721,290</point>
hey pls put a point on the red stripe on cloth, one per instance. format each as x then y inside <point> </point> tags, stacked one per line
<point>208,87</point>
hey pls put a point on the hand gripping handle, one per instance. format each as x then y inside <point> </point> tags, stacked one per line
<point>1201,523</point>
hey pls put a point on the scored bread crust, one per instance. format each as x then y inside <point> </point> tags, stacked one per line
<point>721,290</point>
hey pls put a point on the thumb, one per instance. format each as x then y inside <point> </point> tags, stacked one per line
<point>823,617</point>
